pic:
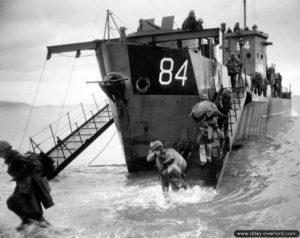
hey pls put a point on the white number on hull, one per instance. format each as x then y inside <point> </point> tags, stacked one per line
<point>182,70</point>
<point>245,46</point>
<point>183,77</point>
<point>166,71</point>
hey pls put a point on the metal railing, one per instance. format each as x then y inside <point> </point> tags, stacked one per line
<point>70,121</point>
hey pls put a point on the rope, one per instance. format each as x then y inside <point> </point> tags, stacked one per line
<point>122,22</point>
<point>67,90</point>
<point>110,139</point>
<point>33,103</point>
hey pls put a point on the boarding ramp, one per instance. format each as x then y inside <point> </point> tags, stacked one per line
<point>66,138</point>
<point>211,173</point>
<point>239,95</point>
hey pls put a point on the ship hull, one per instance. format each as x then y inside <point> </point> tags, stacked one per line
<point>265,116</point>
<point>152,90</point>
<point>162,111</point>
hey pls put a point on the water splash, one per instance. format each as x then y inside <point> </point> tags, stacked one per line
<point>35,231</point>
<point>152,197</point>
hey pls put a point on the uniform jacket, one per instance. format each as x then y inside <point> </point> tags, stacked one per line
<point>27,174</point>
<point>168,157</point>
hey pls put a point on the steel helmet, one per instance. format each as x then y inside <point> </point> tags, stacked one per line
<point>155,144</point>
<point>200,20</point>
<point>4,145</point>
<point>204,96</point>
<point>227,91</point>
<point>192,13</point>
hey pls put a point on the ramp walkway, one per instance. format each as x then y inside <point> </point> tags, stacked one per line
<point>212,172</point>
<point>74,133</point>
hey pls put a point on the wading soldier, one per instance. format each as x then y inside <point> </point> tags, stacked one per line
<point>32,189</point>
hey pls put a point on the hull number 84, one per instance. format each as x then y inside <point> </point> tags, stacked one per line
<point>166,71</point>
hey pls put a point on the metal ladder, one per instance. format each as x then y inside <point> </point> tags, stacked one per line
<point>79,138</point>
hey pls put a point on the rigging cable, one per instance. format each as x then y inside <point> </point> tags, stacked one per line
<point>33,103</point>
<point>65,97</point>
<point>103,148</point>
<point>126,25</point>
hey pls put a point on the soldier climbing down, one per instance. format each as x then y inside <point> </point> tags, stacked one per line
<point>224,106</point>
<point>233,66</point>
<point>205,113</point>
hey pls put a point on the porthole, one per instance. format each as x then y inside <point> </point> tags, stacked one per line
<point>142,84</point>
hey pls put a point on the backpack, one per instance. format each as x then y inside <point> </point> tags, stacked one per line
<point>37,159</point>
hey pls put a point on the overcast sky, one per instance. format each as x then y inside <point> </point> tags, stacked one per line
<point>27,27</point>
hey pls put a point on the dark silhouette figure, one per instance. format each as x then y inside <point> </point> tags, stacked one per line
<point>190,22</point>
<point>32,189</point>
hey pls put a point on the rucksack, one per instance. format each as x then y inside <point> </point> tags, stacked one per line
<point>45,160</point>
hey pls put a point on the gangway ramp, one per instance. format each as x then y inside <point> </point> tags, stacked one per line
<point>75,136</point>
<point>212,173</point>
<point>239,96</point>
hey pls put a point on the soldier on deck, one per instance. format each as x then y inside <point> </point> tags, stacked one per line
<point>277,85</point>
<point>140,27</point>
<point>257,83</point>
<point>233,66</point>
<point>190,23</point>
<point>236,27</point>
<point>199,25</point>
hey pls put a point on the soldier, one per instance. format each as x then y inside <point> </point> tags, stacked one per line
<point>236,27</point>
<point>233,66</point>
<point>140,27</point>
<point>277,85</point>
<point>224,106</point>
<point>257,83</point>
<point>205,113</point>
<point>199,24</point>
<point>190,22</point>
<point>31,189</point>
<point>170,165</point>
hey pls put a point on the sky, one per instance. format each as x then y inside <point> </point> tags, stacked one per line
<point>27,27</point>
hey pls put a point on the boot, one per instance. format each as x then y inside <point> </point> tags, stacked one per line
<point>43,222</point>
<point>25,222</point>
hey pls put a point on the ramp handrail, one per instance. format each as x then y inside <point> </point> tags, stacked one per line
<point>46,138</point>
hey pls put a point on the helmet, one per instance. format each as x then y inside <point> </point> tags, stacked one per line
<point>155,144</point>
<point>227,91</point>
<point>204,96</point>
<point>192,12</point>
<point>200,20</point>
<point>4,145</point>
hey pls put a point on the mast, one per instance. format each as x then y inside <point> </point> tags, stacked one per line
<point>245,14</point>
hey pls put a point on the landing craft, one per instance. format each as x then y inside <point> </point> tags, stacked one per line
<point>152,79</point>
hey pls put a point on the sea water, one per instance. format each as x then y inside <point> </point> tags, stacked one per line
<point>260,190</point>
